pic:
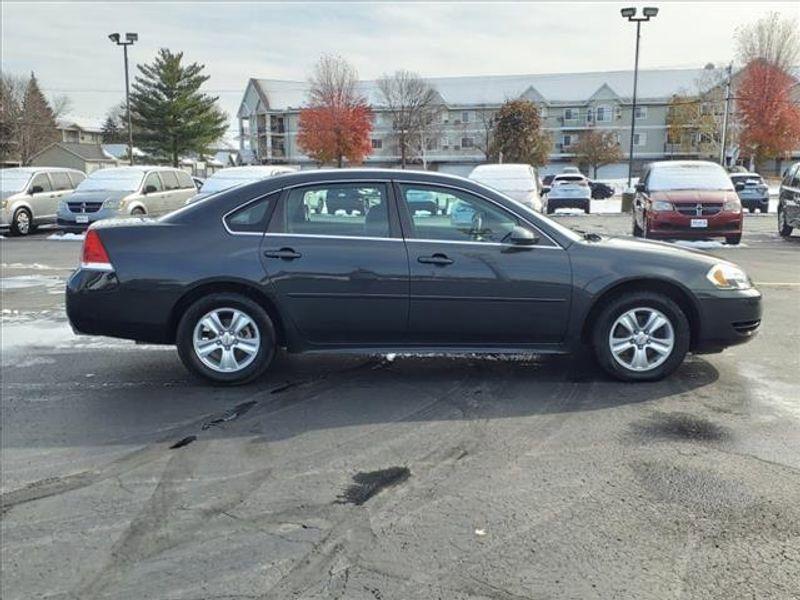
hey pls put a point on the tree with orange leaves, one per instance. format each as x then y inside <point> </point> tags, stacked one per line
<point>768,116</point>
<point>337,123</point>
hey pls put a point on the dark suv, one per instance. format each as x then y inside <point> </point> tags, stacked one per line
<point>752,191</point>
<point>789,201</point>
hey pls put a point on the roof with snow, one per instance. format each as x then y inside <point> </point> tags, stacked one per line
<point>279,94</point>
<point>91,124</point>
<point>121,150</point>
<point>93,152</point>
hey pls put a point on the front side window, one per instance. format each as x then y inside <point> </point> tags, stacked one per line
<point>40,180</point>
<point>445,214</point>
<point>154,183</point>
<point>346,209</point>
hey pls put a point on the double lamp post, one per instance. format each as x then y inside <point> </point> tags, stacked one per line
<point>130,39</point>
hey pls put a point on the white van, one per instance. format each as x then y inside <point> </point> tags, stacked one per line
<point>30,196</point>
<point>517,181</point>
<point>233,176</point>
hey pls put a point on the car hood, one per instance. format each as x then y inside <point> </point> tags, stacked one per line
<point>7,195</point>
<point>693,196</point>
<point>97,196</point>
<point>654,249</point>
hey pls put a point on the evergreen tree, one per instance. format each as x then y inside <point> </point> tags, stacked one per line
<point>112,134</point>
<point>170,114</point>
<point>37,128</point>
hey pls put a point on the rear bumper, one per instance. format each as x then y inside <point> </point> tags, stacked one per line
<point>755,202</point>
<point>555,203</point>
<point>727,319</point>
<point>97,305</point>
<point>674,224</point>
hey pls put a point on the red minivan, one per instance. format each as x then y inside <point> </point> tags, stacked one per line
<point>687,199</point>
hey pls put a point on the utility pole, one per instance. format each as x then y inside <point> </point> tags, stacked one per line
<point>725,116</point>
<point>130,39</point>
<point>630,14</point>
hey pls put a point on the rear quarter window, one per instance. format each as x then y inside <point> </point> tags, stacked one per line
<point>252,217</point>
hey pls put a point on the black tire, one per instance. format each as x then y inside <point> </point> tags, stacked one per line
<point>550,210</point>
<point>21,222</point>
<point>733,240</point>
<point>752,209</point>
<point>185,333</point>
<point>637,231</point>
<point>620,305</point>
<point>784,229</point>
<point>588,207</point>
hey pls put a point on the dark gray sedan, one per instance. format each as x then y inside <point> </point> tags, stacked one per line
<point>231,278</point>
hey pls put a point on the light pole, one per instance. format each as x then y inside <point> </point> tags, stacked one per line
<point>648,12</point>
<point>130,38</point>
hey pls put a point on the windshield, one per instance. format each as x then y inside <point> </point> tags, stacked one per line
<point>747,179</point>
<point>11,182</point>
<point>108,180</point>
<point>573,180</point>
<point>689,177</point>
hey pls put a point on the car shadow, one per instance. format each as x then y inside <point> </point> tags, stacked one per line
<point>146,404</point>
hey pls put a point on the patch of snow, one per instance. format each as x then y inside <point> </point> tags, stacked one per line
<point>20,282</point>
<point>608,206</point>
<point>391,356</point>
<point>704,244</point>
<point>572,212</point>
<point>31,267</point>
<point>66,237</point>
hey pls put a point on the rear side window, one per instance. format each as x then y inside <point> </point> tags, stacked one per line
<point>60,181</point>
<point>170,180</point>
<point>252,217</point>
<point>76,178</point>
<point>185,180</point>
<point>350,210</point>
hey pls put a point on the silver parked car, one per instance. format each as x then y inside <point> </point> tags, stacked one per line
<point>124,191</point>
<point>30,196</point>
<point>227,178</point>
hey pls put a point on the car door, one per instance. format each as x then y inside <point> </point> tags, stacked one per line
<point>61,187</point>
<point>186,189</point>
<point>341,277</point>
<point>470,285</point>
<point>153,194</point>
<point>43,200</point>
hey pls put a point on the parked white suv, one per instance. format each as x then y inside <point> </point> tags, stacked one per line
<point>30,196</point>
<point>517,181</point>
<point>123,191</point>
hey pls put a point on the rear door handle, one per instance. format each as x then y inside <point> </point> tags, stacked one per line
<point>436,259</point>
<point>283,253</point>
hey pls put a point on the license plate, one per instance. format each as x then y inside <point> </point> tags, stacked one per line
<point>81,218</point>
<point>699,223</point>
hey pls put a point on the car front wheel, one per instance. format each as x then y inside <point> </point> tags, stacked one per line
<point>226,338</point>
<point>21,222</point>
<point>641,336</point>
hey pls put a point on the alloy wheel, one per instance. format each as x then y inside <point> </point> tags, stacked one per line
<point>23,222</point>
<point>226,340</point>
<point>641,339</point>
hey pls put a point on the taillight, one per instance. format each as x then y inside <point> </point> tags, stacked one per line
<point>94,253</point>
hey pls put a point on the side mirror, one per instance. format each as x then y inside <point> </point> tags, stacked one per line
<point>150,189</point>
<point>641,188</point>
<point>36,189</point>
<point>739,187</point>
<point>523,237</point>
<point>545,189</point>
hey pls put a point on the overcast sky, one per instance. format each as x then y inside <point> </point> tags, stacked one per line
<point>66,43</point>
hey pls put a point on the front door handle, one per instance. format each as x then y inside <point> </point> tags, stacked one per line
<point>436,259</point>
<point>283,253</point>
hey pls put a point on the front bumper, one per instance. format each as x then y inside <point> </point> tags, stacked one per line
<point>673,224</point>
<point>791,208</point>
<point>69,220</point>
<point>727,318</point>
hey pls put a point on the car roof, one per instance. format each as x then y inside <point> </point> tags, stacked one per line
<point>39,170</point>
<point>683,163</point>
<point>252,169</point>
<point>745,175</point>
<point>504,167</point>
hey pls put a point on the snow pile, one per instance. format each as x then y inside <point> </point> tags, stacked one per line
<point>706,244</point>
<point>66,237</point>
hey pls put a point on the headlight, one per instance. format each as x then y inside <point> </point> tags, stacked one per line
<point>726,276</point>
<point>62,206</point>
<point>4,204</point>
<point>111,203</point>
<point>662,206</point>
<point>732,204</point>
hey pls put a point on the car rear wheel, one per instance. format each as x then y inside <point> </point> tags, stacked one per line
<point>21,222</point>
<point>588,206</point>
<point>138,212</point>
<point>641,336</point>
<point>783,224</point>
<point>226,338</point>
<point>733,240</point>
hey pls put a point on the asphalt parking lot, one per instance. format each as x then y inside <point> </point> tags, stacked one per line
<point>402,477</point>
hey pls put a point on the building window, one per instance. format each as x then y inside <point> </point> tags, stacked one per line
<point>603,114</point>
<point>465,117</point>
<point>377,143</point>
<point>445,117</point>
<point>589,115</point>
<point>467,142</point>
<point>639,139</point>
<point>570,114</point>
<point>641,112</point>
<point>566,140</point>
